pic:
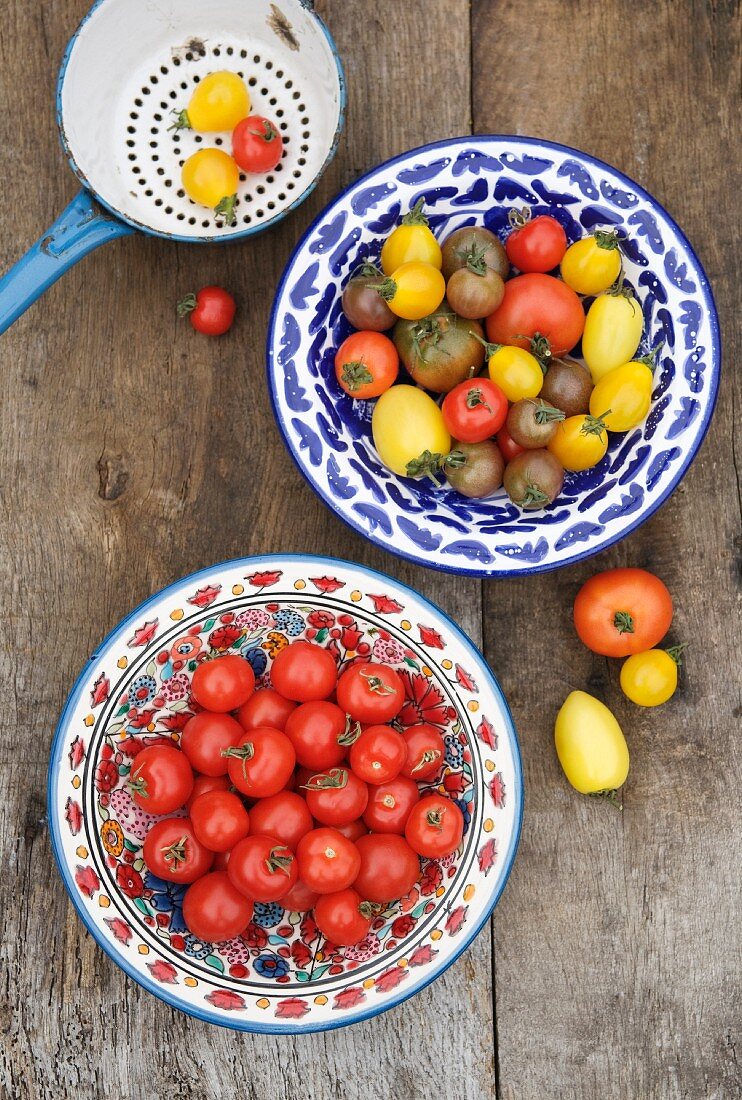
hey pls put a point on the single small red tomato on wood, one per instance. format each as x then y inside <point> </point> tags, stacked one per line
<point>474,411</point>
<point>214,909</point>
<point>622,611</point>
<point>173,851</point>
<point>535,244</point>
<point>257,145</point>
<point>366,364</point>
<point>211,310</point>
<point>435,827</point>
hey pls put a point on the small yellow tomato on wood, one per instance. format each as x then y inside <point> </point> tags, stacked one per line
<point>409,432</point>
<point>593,264</point>
<point>210,178</point>
<point>412,240</point>
<point>590,745</point>
<point>220,101</point>
<point>580,441</point>
<point>651,678</point>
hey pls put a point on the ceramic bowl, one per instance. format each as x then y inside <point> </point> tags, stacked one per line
<point>465,181</point>
<point>278,977</point>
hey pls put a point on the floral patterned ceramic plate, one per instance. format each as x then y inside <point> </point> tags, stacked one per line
<point>135,690</point>
<point>477,180</point>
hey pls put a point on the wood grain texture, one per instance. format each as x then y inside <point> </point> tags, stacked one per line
<point>618,938</point>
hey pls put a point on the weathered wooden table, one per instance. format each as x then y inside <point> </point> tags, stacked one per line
<point>132,452</point>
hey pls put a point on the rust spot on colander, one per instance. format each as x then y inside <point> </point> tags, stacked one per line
<point>280,25</point>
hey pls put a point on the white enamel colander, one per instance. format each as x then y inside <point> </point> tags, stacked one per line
<point>129,65</point>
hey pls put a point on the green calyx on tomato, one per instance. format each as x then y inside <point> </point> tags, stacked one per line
<point>138,786</point>
<point>608,795</point>
<point>268,131</point>
<point>434,818</point>
<point>182,121</point>
<point>356,374</point>
<point>429,332</point>
<point>533,496</point>
<point>241,752</point>
<point>620,290</point>
<point>415,215</point>
<point>489,349</point>
<point>676,652</point>
<point>546,414</point>
<point>594,425</point>
<point>624,622</point>
<point>369,910</point>
<point>540,349</point>
<point>650,359</point>
<point>607,239</point>
<point>429,464</point>
<point>276,862</point>
<point>333,779</point>
<point>186,305</point>
<point>518,218</point>
<point>376,684</point>
<point>474,399</point>
<point>366,270</point>
<point>225,209</point>
<point>175,853</point>
<point>475,258</point>
<point>428,757</point>
<point>351,733</point>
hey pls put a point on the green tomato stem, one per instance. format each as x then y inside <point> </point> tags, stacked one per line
<point>676,652</point>
<point>186,305</point>
<point>624,622</point>
<point>415,216</point>
<point>225,209</point>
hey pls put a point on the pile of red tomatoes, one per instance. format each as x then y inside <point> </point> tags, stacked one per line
<point>483,330</point>
<point>303,793</point>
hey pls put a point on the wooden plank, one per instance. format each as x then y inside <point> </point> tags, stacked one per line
<point>617,940</point>
<point>132,452</point>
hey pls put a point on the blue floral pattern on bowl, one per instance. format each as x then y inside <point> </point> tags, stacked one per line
<point>476,180</point>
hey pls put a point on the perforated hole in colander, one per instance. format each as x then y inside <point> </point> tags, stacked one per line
<point>155,154</point>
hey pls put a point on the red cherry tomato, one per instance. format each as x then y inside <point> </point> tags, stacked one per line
<point>204,783</point>
<point>425,751</point>
<point>366,364</point>
<point>336,797</point>
<point>204,738</point>
<point>435,827</point>
<point>219,820</point>
<point>262,868</point>
<point>389,867</point>
<point>172,851</point>
<point>537,304</point>
<point>378,755</point>
<point>304,672</point>
<point>328,861</point>
<point>299,899</point>
<point>257,145</point>
<point>161,779</point>
<point>214,910</point>
<point>211,311</point>
<point>371,693</point>
<point>316,730</point>
<point>343,918</point>
<point>265,708</point>
<point>390,805</point>
<point>353,829</point>
<point>223,684</point>
<point>262,762</point>
<point>508,447</point>
<point>536,244</point>
<point>284,815</point>
<point>474,411</point>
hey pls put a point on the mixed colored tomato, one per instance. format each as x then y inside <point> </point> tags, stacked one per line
<point>483,329</point>
<point>307,793</point>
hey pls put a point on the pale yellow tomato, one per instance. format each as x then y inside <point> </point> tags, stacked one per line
<point>220,101</point>
<point>590,745</point>
<point>414,290</point>
<point>613,329</point>
<point>412,240</point>
<point>515,371</point>
<point>592,264</point>
<point>409,432</point>
<point>580,441</point>
<point>651,678</point>
<point>626,392</point>
<point>210,177</point>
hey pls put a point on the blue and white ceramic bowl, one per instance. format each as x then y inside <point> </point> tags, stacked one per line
<point>476,180</point>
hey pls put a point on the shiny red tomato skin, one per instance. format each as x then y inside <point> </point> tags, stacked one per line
<point>340,803</point>
<point>508,447</point>
<point>538,246</point>
<point>537,303</point>
<point>204,783</point>
<point>265,707</point>
<point>168,840</point>
<point>219,820</point>
<point>204,738</point>
<point>214,910</point>
<point>267,764</point>
<point>262,868</point>
<point>604,601</point>
<point>390,804</point>
<point>339,917</point>
<point>370,692</point>
<point>284,815</point>
<point>435,827</point>
<point>378,755</point>
<point>353,829</point>
<point>211,310</point>
<point>257,145</point>
<point>389,867</point>
<point>473,423</point>
<point>425,751</point>
<point>304,672</point>
<point>221,859</point>
<point>161,779</point>
<point>224,683</point>
<point>314,730</point>
<point>299,899</point>
<point>328,861</point>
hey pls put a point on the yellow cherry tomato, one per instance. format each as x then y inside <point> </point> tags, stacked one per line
<point>514,370</point>
<point>409,432</point>
<point>592,264</point>
<point>651,678</point>
<point>220,101</point>
<point>626,392</point>
<point>210,177</point>
<point>613,329</point>
<point>580,441</point>
<point>414,290</point>
<point>412,240</point>
<point>590,745</point>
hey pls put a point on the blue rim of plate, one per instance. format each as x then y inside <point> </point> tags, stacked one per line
<point>546,567</point>
<point>157,990</point>
<point>243,233</point>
